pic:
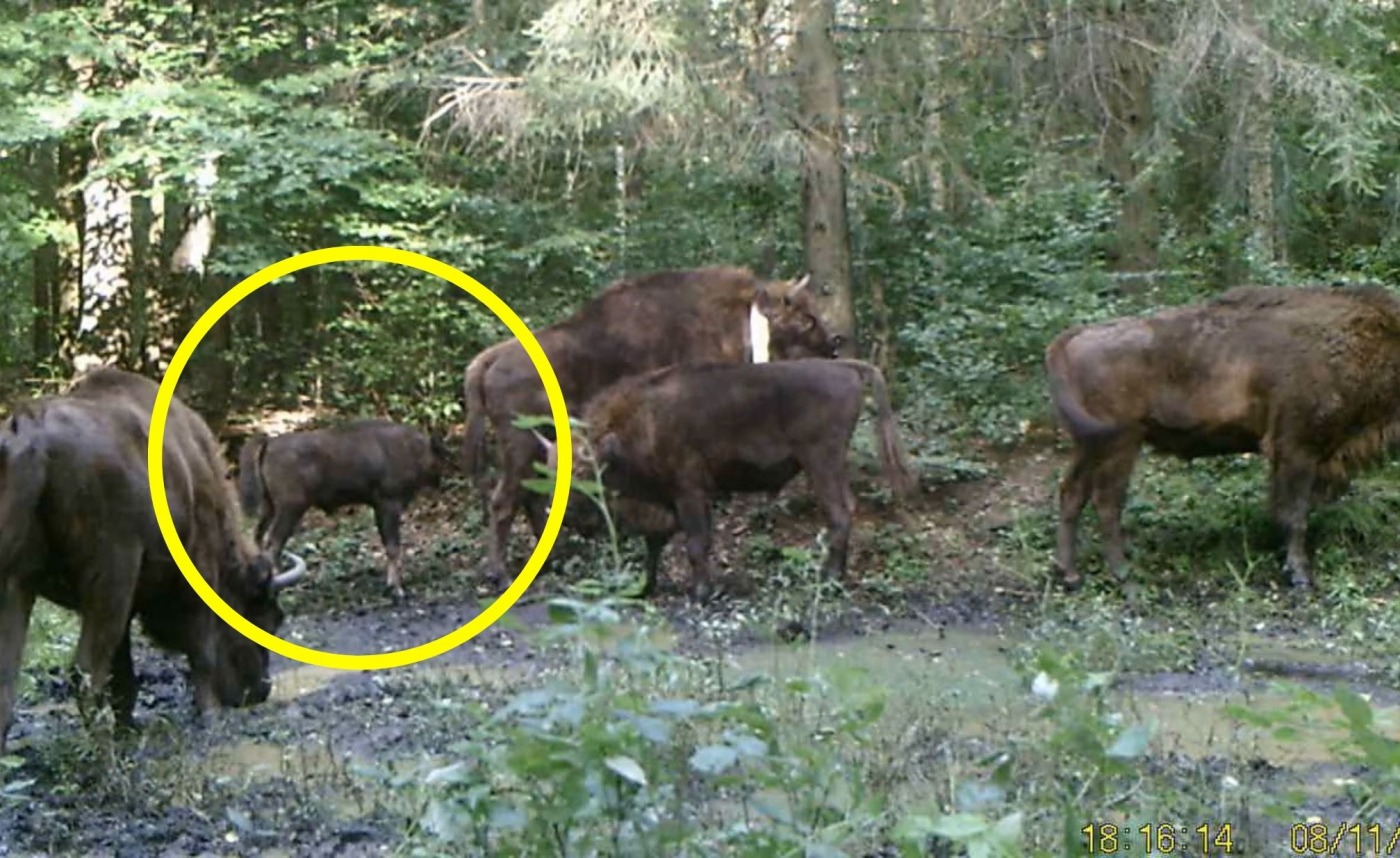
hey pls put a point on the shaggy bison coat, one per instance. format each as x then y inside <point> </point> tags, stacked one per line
<point>77,528</point>
<point>636,325</point>
<point>378,463</point>
<point>1307,377</point>
<point>677,438</point>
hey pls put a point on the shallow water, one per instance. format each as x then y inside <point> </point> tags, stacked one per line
<point>966,676</point>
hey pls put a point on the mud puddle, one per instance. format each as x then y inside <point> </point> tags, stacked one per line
<point>967,676</point>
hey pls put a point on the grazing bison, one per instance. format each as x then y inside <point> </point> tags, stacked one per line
<point>374,462</point>
<point>1308,377</point>
<point>77,527</point>
<point>680,436</point>
<point>708,314</point>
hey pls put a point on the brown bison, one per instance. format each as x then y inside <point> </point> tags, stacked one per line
<point>708,314</point>
<point>77,527</point>
<point>1307,377</point>
<point>378,463</point>
<point>680,436</point>
<point>654,523</point>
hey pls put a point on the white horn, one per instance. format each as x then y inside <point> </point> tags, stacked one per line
<point>801,284</point>
<point>286,579</point>
<point>551,454</point>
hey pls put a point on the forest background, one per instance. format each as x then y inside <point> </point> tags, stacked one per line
<point>963,179</point>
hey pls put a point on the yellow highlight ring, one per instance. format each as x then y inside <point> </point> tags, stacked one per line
<point>400,658</point>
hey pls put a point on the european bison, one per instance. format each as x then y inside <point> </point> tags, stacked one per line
<point>680,436</point>
<point>652,522</point>
<point>378,463</point>
<point>707,314</point>
<point>1308,377</point>
<point>77,527</point>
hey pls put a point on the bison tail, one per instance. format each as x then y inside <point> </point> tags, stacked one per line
<point>1082,425</point>
<point>894,460</point>
<point>250,483</point>
<point>473,391</point>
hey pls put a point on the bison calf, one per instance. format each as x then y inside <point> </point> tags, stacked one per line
<point>678,437</point>
<point>373,462</point>
<point>77,528</point>
<point>1308,377</point>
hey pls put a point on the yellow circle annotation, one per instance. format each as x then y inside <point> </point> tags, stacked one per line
<point>553,523</point>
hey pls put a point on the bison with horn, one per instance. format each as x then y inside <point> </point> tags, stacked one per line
<point>77,527</point>
<point>718,315</point>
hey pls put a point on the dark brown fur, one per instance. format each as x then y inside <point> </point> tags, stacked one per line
<point>679,437</point>
<point>378,463</point>
<point>1307,377</point>
<point>77,528</point>
<point>632,326</point>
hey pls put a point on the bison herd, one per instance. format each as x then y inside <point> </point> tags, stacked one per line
<point>691,385</point>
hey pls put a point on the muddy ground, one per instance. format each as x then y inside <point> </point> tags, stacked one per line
<point>256,781</point>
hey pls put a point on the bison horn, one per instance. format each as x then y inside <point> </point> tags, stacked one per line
<point>800,284</point>
<point>283,580</point>
<point>550,451</point>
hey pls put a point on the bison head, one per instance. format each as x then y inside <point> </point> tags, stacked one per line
<point>241,674</point>
<point>795,327</point>
<point>442,458</point>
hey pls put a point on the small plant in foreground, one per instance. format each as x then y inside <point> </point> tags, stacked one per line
<point>643,752</point>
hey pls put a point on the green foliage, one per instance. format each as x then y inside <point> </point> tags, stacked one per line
<point>994,292</point>
<point>626,757</point>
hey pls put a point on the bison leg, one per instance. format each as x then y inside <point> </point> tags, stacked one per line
<point>1110,482</point>
<point>829,483</point>
<point>284,524</point>
<point>106,623</point>
<point>1290,492</point>
<point>387,517</point>
<point>656,545</point>
<point>16,603</point>
<point>518,451</point>
<point>1074,494</point>
<point>124,683</point>
<point>693,513</point>
<point>264,522</point>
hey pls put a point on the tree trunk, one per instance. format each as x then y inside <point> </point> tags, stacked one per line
<point>104,320</point>
<point>1258,129</point>
<point>1137,220</point>
<point>45,259</point>
<point>67,295</point>
<point>826,235</point>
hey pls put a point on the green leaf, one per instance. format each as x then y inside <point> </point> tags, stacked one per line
<point>960,827</point>
<point>914,828</point>
<point>682,708</point>
<point>628,769</point>
<point>1354,707</point>
<point>1130,743</point>
<point>713,759</point>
